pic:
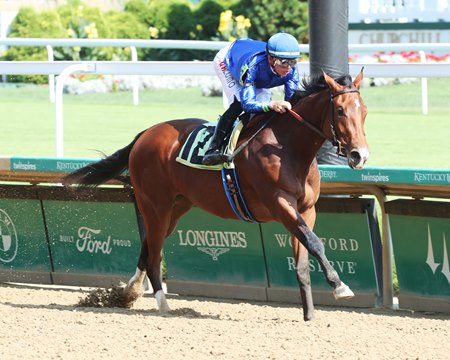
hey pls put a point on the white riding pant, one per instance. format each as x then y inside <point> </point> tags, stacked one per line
<point>230,85</point>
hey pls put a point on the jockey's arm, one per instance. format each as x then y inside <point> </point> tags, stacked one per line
<point>251,105</point>
<point>291,85</point>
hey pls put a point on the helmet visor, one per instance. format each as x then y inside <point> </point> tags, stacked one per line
<point>285,62</point>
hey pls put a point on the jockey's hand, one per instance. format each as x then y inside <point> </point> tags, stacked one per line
<point>280,106</point>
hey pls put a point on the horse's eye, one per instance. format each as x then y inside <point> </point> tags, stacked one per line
<point>340,111</point>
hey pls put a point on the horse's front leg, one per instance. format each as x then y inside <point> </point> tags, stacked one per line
<point>304,279</point>
<point>316,248</point>
<point>293,221</point>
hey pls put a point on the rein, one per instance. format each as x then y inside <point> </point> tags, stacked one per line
<point>307,124</point>
<point>335,141</point>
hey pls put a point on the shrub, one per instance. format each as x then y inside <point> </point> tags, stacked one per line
<point>269,17</point>
<point>30,24</point>
<point>83,22</point>
<point>179,20</point>
<point>125,25</point>
<point>233,27</point>
<point>207,17</point>
<point>156,19</point>
<point>141,10</point>
<point>170,20</point>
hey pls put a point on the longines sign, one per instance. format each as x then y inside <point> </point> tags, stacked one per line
<point>205,248</point>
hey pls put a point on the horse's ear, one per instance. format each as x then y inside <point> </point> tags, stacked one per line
<point>332,83</point>
<point>358,79</point>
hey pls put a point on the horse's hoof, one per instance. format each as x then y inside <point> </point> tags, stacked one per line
<point>161,302</point>
<point>163,310</point>
<point>343,292</point>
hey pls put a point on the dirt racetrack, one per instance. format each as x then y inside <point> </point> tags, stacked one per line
<point>44,323</point>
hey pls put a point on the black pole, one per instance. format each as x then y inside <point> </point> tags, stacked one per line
<point>328,36</point>
<point>328,51</point>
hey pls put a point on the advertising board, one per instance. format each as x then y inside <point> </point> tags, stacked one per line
<point>204,249</point>
<point>23,245</point>
<point>92,237</point>
<point>421,242</point>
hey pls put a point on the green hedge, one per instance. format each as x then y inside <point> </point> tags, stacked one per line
<point>153,19</point>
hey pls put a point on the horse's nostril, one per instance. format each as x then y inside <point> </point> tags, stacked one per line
<point>355,156</point>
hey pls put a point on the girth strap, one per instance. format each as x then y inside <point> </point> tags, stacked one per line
<point>234,195</point>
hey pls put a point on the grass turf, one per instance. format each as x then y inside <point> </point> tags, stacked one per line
<point>399,135</point>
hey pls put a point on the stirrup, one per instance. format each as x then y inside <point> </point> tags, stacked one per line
<point>214,158</point>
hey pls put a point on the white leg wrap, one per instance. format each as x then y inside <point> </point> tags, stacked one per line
<point>161,302</point>
<point>136,279</point>
<point>343,292</point>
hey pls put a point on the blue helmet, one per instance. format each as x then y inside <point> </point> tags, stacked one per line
<point>283,45</point>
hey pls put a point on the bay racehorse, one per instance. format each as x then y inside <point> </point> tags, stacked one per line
<point>277,171</point>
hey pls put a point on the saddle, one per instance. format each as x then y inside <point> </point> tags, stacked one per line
<point>193,151</point>
<point>197,143</point>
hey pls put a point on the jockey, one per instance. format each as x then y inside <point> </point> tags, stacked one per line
<point>247,70</point>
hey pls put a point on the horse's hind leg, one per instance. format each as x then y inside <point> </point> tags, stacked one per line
<point>302,268</point>
<point>139,282</point>
<point>149,264</point>
<point>158,225</point>
<point>134,289</point>
<point>304,279</point>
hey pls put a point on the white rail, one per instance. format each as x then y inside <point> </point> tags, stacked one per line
<point>206,68</point>
<point>205,45</point>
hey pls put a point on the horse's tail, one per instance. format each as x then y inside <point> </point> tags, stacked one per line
<point>97,173</point>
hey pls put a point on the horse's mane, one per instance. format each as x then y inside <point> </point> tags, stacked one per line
<point>315,83</point>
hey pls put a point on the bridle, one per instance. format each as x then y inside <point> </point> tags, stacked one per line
<point>340,151</point>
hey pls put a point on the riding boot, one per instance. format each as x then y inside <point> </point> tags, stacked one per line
<point>213,155</point>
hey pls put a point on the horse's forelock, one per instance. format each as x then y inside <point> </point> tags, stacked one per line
<point>345,80</point>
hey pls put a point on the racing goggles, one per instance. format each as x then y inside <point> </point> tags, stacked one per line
<point>285,62</point>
